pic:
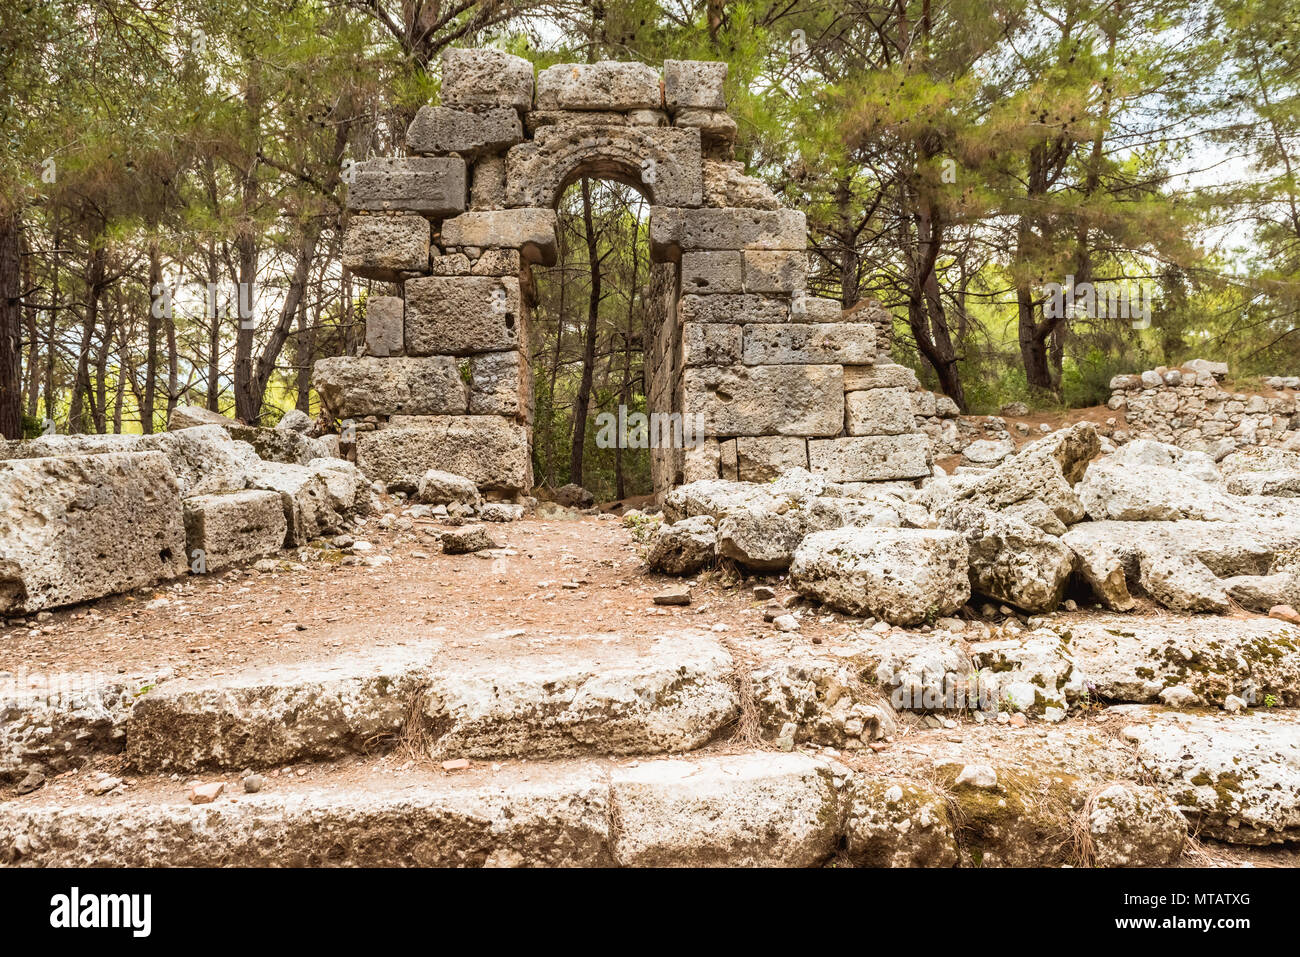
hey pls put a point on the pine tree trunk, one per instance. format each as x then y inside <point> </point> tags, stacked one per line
<point>11,325</point>
<point>583,399</point>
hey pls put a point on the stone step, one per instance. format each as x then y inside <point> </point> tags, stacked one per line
<point>514,696</point>
<point>747,809</point>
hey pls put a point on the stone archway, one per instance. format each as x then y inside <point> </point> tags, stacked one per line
<point>776,377</point>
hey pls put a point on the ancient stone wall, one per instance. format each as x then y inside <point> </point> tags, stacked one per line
<point>1188,407</point>
<point>775,376</point>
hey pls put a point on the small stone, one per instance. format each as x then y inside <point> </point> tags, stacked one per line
<point>466,539</point>
<point>32,782</point>
<point>206,793</point>
<point>1003,717</point>
<point>1285,613</point>
<point>456,764</point>
<point>1232,704</point>
<point>785,740</point>
<point>1018,720</point>
<point>1178,696</point>
<point>786,623</point>
<point>977,776</point>
<point>677,595</point>
<point>764,593</point>
<point>253,783</point>
<point>103,784</point>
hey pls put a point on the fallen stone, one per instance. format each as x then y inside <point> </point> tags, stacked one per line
<point>1011,561</point>
<point>684,547</point>
<point>231,528</point>
<point>470,538</point>
<point>443,488</point>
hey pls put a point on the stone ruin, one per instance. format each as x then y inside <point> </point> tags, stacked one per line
<point>775,377</point>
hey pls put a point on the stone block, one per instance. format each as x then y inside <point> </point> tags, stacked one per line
<point>812,343</point>
<point>432,186</point>
<point>676,231</point>
<point>767,400</point>
<point>386,247</point>
<point>761,458</point>
<point>83,526</point>
<point>870,458</point>
<point>607,85</point>
<point>351,387</point>
<point>775,270</point>
<point>486,78</point>
<point>694,85</point>
<point>733,308</point>
<point>384,336</point>
<point>493,262</point>
<point>879,412</point>
<point>806,308</point>
<point>710,344</point>
<point>532,231</point>
<point>882,375</point>
<point>233,527</point>
<point>438,129</point>
<point>712,272</point>
<point>488,183</point>
<point>462,315</point>
<point>490,451</point>
<point>501,383</point>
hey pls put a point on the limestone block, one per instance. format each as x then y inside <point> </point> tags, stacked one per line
<point>433,186</point>
<point>879,412</point>
<point>493,262</point>
<point>386,247</point>
<point>491,451</point>
<point>675,231</point>
<point>710,344</point>
<point>485,78</point>
<point>462,315</point>
<point>233,527</point>
<point>870,458</point>
<point>775,270</point>
<point>815,343</point>
<point>716,127</point>
<point>733,308</point>
<point>438,129</point>
<point>712,272</point>
<point>798,400</point>
<point>83,526</point>
<point>488,183</point>
<point>501,383</point>
<point>882,375</point>
<point>607,85</point>
<point>384,322</point>
<point>726,185</point>
<point>351,387</point>
<point>761,458</point>
<point>532,231</point>
<point>694,85</point>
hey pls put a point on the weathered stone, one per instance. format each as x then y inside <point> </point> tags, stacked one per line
<point>490,451</point>
<point>443,488</point>
<point>1182,582</point>
<point>606,85</point>
<point>878,412</point>
<point>466,540</point>
<point>883,375</point>
<point>532,231</point>
<point>386,247</point>
<point>353,387</point>
<point>1120,492</point>
<point>899,823</point>
<point>233,527</point>
<point>1134,659</point>
<point>663,161</point>
<point>385,334</point>
<point>761,458</point>
<point>84,526</point>
<point>437,129</point>
<point>749,810</point>
<point>487,188</point>
<point>684,547</point>
<point>189,416</point>
<point>574,495</point>
<point>1102,567</point>
<point>733,309</point>
<point>317,498</point>
<point>280,445</point>
<point>1262,471</point>
<point>674,231</point>
<point>493,262</point>
<point>1032,672</point>
<point>710,344</point>
<point>989,452</point>
<point>712,272</point>
<point>434,186</point>
<point>1011,561</point>
<point>767,400</point>
<point>727,186</point>
<point>501,383</point>
<point>779,270</point>
<point>485,78</point>
<point>1134,826</point>
<point>717,129</point>
<point>461,315</point>
<point>694,84</point>
<point>903,576</point>
<point>810,344</point>
<point>1237,777</point>
<point>870,458</point>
